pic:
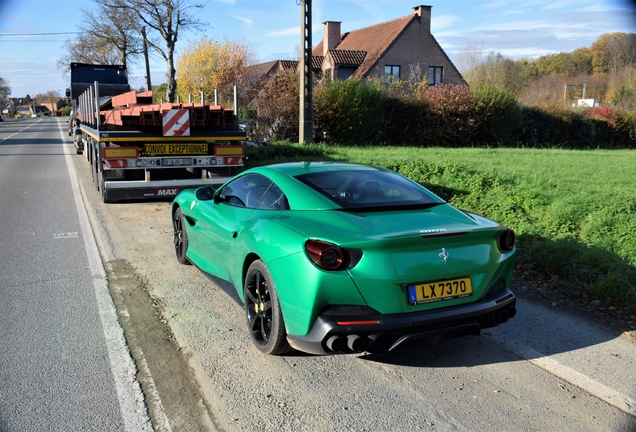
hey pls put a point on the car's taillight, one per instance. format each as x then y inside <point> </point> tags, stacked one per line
<point>507,240</point>
<point>327,256</point>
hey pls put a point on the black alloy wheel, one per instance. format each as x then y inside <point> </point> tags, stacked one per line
<point>180,237</point>
<point>262,309</point>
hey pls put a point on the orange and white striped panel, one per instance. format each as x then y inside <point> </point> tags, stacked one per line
<point>176,122</point>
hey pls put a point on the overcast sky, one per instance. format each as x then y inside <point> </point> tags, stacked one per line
<point>32,32</point>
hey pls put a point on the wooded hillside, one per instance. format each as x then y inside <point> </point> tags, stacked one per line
<point>607,69</point>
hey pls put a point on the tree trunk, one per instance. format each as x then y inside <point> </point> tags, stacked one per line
<point>172,82</point>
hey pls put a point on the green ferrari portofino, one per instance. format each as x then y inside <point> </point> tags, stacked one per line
<point>339,258</point>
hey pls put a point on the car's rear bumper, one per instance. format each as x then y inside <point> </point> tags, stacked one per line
<point>382,333</point>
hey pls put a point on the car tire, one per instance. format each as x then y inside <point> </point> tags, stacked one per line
<point>180,237</point>
<point>262,309</point>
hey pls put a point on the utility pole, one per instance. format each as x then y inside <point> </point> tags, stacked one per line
<point>565,90</point>
<point>305,127</point>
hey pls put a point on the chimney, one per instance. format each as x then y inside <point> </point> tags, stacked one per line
<point>331,36</point>
<point>424,13</point>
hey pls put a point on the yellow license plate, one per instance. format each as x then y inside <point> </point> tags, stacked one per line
<point>440,290</point>
<point>176,149</point>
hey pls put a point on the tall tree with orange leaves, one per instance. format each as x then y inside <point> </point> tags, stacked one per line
<point>211,64</point>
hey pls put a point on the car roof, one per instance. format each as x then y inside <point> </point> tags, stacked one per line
<point>293,169</point>
<point>299,195</point>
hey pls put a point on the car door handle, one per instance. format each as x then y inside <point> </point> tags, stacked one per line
<point>234,234</point>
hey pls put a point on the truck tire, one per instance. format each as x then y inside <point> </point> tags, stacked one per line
<point>101,188</point>
<point>88,148</point>
<point>96,173</point>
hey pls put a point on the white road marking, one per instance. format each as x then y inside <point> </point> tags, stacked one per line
<point>131,399</point>
<point>611,396</point>
<point>576,378</point>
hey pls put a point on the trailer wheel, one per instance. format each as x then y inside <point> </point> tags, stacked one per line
<point>88,148</point>
<point>95,172</point>
<point>102,189</point>
<point>92,161</point>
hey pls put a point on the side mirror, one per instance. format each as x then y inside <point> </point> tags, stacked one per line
<point>205,193</point>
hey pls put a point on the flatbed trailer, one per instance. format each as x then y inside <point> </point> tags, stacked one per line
<point>139,150</point>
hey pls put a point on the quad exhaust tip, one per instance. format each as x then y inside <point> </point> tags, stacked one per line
<point>504,315</point>
<point>350,343</point>
<point>355,343</point>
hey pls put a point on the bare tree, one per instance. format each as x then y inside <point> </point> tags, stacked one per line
<point>114,27</point>
<point>107,36</point>
<point>88,49</point>
<point>50,97</point>
<point>166,19</point>
<point>469,60</point>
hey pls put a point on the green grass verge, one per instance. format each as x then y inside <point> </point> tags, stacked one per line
<point>574,211</point>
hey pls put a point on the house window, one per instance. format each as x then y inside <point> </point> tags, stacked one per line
<point>435,75</point>
<point>391,74</point>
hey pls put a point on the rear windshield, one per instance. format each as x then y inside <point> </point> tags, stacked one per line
<point>368,190</point>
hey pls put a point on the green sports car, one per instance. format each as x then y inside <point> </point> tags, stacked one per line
<point>339,258</point>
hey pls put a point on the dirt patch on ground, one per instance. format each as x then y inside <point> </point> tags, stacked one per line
<point>608,313</point>
<point>173,397</point>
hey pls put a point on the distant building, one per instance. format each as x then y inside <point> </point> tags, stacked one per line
<point>400,49</point>
<point>41,110</point>
<point>591,103</point>
<point>55,107</point>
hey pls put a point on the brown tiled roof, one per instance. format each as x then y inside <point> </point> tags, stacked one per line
<point>260,69</point>
<point>346,58</point>
<point>359,48</point>
<point>257,71</point>
<point>375,40</point>
<point>289,64</point>
<point>316,63</point>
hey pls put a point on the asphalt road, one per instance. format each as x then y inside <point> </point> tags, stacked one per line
<point>544,370</point>
<point>64,364</point>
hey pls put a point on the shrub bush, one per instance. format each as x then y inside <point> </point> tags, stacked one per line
<point>283,152</point>
<point>368,112</point>
<point>452,116</point>
<point>404,121</point>
<point>614,128</point>
<point>347,111</point>
<point>556,126</point>
<point>277,104</point>
<point>626,128</point>
<point>498,115</point>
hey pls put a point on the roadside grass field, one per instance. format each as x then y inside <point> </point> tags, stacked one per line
<point>574,211</point>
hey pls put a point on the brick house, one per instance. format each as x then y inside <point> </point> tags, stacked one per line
<point>400,49</point>
<point>55,106</point>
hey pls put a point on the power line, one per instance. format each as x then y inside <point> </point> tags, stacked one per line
<point>37,34</point>
<point>32,41</point>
